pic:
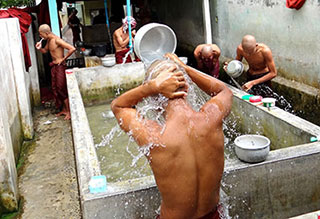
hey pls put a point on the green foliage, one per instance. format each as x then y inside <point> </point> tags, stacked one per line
<point>9,215</point>
<point>15,3</point>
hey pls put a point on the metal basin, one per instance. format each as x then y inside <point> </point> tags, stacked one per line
<point>154,40</point>
<point>235,68</point>
<point>108,60</point>
<point>252,148</point>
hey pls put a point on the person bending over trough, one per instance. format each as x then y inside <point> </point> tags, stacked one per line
<point>55,45</point>
<point>261,66</point>
<point>261,70</point>
<point>207,57</point>
<point>187,152</point>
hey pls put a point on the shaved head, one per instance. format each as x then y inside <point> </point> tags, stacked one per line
<point>248,43</point>
<point>157,67</point>
<point>206,51</point>
<point>209,51</point>
<point>45,28</point>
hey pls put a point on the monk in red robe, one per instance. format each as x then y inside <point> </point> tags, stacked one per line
<point>55,45</point>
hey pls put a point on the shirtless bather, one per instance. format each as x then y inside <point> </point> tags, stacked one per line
<point>261,65</point>
<point>121,40</point>
<point>55,45</point>
<point>189,164</point>
<point>207,57</point>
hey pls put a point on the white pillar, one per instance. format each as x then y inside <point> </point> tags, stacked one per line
<point>207,21</point>
<point>15,45</point>
<point>33,70</point>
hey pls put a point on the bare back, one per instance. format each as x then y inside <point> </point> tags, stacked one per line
<point>187,157</point>
<point>191,164</point>
<point>257,61</point>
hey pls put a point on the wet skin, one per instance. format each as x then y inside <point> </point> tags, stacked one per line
<point>187,158</point>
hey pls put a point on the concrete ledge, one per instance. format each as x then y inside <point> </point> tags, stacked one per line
<point>312,215</point>
<point>86,157</point>
<point>140,198</point>
<point>285,185</point>
<point>100,84</point>
<point>284,129</point>
<point>304,98</point>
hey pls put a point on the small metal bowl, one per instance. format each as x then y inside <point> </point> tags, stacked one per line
<point>252,148</point>
<point>108,61</point>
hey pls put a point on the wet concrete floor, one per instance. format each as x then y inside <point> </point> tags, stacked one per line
<point>47,174</point>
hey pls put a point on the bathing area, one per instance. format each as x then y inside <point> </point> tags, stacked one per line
<point>280,181</point>
<point>90,168</point>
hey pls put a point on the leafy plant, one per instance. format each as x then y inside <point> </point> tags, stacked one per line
<point>15,3</point>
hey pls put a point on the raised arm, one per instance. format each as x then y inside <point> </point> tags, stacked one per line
<point>196,55</point>
<point>239,56</point>
<point>121,42</point>
<point>39,47</point>
<point>124,110</point>
<point>220,93</point>
<point>69,21</point>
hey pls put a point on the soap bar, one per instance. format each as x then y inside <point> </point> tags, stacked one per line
<point>98,184</point>
<point>246,97</point>
<point>255,99</point>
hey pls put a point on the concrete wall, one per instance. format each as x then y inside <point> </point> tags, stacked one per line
<point>292,35</point>
<point>100,84</point>
<point>21,77</point>
<point>33,70</point>
<point>87,7</point>
<point>16,121</point>
<point>185,18</point>
<point>8,173</point>
<point>285,185</point>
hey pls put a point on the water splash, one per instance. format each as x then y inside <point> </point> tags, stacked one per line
<point>126,56</point>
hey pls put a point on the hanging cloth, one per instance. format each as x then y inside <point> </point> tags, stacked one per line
<point>297,4</point>
<point>24,21</point>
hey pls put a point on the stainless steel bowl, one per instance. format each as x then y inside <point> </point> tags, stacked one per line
<point>235,68</point>
<point>108,60</point>
<point>154,40</point>
<point>252,148</point>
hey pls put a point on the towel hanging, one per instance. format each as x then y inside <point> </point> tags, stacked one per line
<point>297,4</point>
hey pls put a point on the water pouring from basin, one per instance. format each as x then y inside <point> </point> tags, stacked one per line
<point>234,69</point>
<point>154,40</point>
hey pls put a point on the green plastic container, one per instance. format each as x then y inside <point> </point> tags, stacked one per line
<point>246,97</point>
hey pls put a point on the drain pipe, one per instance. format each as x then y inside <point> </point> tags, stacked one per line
<point>53,13</point>
<point>129,25</point>
<point>108,24</point>
<point>207,22</point>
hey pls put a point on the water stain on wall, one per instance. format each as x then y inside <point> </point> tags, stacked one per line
<point>269,3</point>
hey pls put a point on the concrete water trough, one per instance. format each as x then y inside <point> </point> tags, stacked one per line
<point>284,185</point>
